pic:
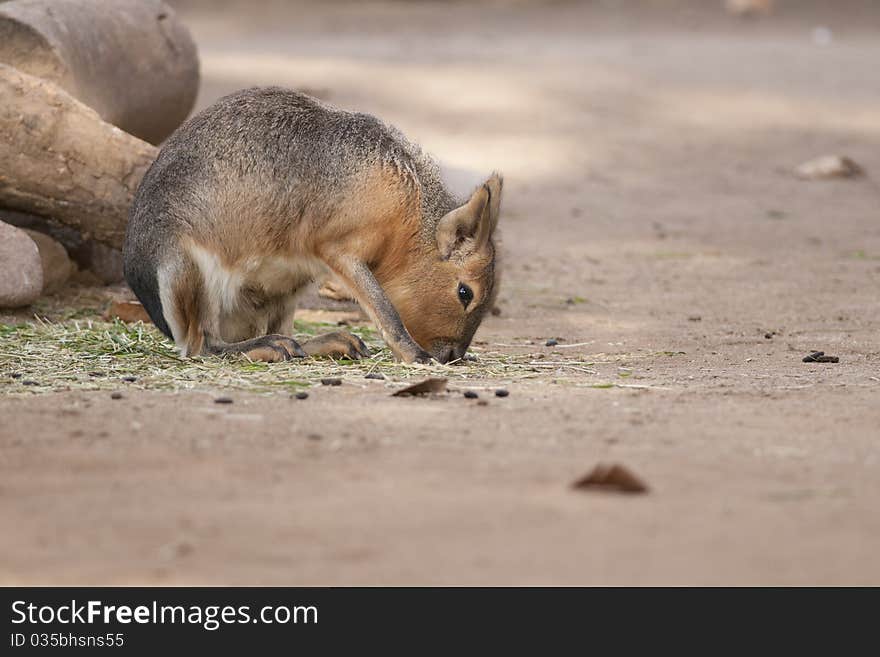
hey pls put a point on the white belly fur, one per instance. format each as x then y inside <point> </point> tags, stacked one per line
<point>225,316</point>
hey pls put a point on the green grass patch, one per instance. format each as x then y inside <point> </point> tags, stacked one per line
<point>94,354</point>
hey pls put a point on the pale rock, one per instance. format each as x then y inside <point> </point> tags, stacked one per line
<point>57,266</point>
<point>21,271</point>
<point>828,166</point>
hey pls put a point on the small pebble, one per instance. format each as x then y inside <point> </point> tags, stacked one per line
<point>302,395</point>
<point>551,343</point>
<point>30,383</point>
<point>501,392</point>
<point>331,382</point>
<point>223,400</point>
<point>768,336</point>
<point>375,375</point>
<point>470,394</point>
<point>129,379</point>
<point>115,395</point>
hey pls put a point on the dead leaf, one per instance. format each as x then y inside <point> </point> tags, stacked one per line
<point>128,311</point>
<point>422,388</point>
<point>614,477</point>
<point>828,166</point>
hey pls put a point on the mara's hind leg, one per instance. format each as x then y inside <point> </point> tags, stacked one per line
<point>269,348</point>
<point>195,322</point>
<point>338,344</point>
<point>184,305</point>
<point>198,326</point>
<point>260,316</point>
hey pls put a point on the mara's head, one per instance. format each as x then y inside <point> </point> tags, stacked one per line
<point>452,282</point>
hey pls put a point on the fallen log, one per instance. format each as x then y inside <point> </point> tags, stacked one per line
<point>132,61</point>
<point>59,159</point>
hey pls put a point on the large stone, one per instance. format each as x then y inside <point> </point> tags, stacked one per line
<point>57,266</point>
<point>21,271</point>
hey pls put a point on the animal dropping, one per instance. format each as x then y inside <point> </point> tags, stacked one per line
<point>291,190</point>
<point>820,357</point>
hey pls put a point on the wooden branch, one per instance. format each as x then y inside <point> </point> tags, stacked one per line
<point>59,159</point>
<point>132,61</point>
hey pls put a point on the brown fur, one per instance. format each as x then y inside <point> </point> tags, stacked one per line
<point>188,303</point>
<point>265,354</point>
<point>268,190</point>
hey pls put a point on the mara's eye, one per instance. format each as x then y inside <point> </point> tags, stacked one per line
<point>465,294</point>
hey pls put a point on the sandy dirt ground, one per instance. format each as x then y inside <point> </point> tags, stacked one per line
<point>651,222</point>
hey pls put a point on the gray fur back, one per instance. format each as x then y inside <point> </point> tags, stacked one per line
<point>303,151</point>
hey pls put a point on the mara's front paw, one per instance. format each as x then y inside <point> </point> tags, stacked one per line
<point>339,344</point>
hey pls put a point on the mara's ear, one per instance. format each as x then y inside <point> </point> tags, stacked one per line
<point>489,221</point>
<point>475,219</point>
